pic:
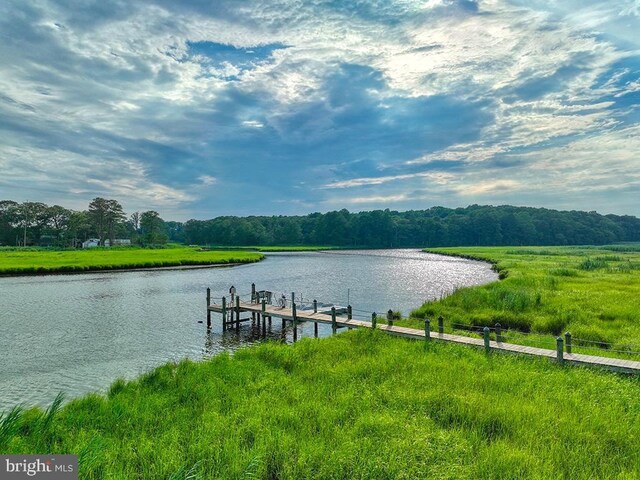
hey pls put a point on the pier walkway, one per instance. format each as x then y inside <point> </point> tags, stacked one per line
<point>261,313</point>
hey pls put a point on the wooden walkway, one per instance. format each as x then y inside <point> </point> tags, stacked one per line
<point>287,315</point>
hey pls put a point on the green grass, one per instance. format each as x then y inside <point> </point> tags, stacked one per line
<point>34,261</point>
<point>358,405</point>
<point>593,292</point>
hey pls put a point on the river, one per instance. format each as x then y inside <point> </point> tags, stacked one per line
<point>77,333</point>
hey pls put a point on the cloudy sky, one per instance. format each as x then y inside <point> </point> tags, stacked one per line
<point>201,108</point>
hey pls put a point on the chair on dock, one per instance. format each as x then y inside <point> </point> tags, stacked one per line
<point>265,295</point>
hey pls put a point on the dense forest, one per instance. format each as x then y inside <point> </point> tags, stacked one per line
<point>437,226</point>
<point>39,224</point>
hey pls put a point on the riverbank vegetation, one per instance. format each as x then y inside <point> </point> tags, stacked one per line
<point>21,261</point>
<point>358,405</point>
<point>38,224</point>
<point>435,227</point>
<point>590,291</point>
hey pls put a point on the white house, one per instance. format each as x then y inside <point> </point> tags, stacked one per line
<point>90,243</point>
<point>95,242</point>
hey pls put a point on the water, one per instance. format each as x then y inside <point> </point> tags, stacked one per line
<point>78,333</point>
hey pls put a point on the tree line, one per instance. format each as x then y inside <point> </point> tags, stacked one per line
<point>437,226</point>
<point>39,224</point>
<point>33,223</point>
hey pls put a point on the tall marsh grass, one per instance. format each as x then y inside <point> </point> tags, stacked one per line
<point>358,405</point>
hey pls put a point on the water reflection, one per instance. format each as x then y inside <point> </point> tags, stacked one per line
<point>77,333</point>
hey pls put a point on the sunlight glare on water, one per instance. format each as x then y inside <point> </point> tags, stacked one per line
<point>78,333</point>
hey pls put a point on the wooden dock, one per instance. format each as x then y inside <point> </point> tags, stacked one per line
<point>261,313</point>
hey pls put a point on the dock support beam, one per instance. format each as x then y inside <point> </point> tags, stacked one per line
<point>560,350</point>
<point>295,321</point>
<point>264,318</point>
<point>208,305</point>
<point>487,347</point>
<point>237,313</point>
<point>224,313</point>
<point>253,293</point>
<point>334,323</point>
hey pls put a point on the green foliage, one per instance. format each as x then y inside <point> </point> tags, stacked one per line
<point>34,261</point>
<point>358,405</point>
<point>548,291</point>
<point>438,226</point>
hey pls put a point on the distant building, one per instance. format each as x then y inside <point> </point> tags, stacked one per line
<point>91,243</point>
<point>95,242</point>
<point>117,241</point>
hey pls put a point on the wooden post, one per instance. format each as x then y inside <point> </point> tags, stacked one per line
<point>374,320</point>
<point>334,323</point>
<point>315,329</point>
<point>440,324</point>
<point>487,346</point>
<point>315,306</point>
<point>390,318</point>
<point>264,319</point>
<point>208,305</point>
<point>567,337</point>
<point>349,314</point>
<point>293,298</point>
<point>253,293</point>
<point>224,313</point>
<point>498,332</point>
<point>427,329</point>
<point>295,322</point>
<point>559,350</point>
<point>237,312</point>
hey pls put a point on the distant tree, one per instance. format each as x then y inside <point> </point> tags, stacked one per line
<point>106,216</point>
<point>152,228</point>
<point>8,220</point>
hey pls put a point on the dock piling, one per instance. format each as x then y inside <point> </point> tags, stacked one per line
<point>237,312</point>
<point>560,350</point>
<point>485,332</point>
<point>427,329</point>
<point>334,323</point>
<point>208,305</point>
<point>498,332</point>
<point>315,306</point>
<point>295,322</point>
<point>224,313</point>
<point>440,324</point>
<point>374,320</point>
<point>567,338</point>
<point>264,318</point>
<point>390,318</point>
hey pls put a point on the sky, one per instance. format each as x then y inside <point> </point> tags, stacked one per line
<point>202,108</point>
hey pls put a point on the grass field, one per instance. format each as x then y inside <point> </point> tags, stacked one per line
<point>592,292</point>
<point>358,405</point>
<point>33,261</point>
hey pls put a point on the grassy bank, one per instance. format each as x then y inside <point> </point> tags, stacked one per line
<point>27,261</point>
<point>358,405</point>
<point>591,292</point>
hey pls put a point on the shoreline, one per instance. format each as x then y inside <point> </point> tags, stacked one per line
<point>124,269</point>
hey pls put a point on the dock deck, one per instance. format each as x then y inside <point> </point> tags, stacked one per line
<point>295,316</point>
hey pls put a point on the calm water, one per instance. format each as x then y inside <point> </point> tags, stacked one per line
<point>77,333</point>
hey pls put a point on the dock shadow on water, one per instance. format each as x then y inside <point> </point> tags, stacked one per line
<point>78,333</point>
